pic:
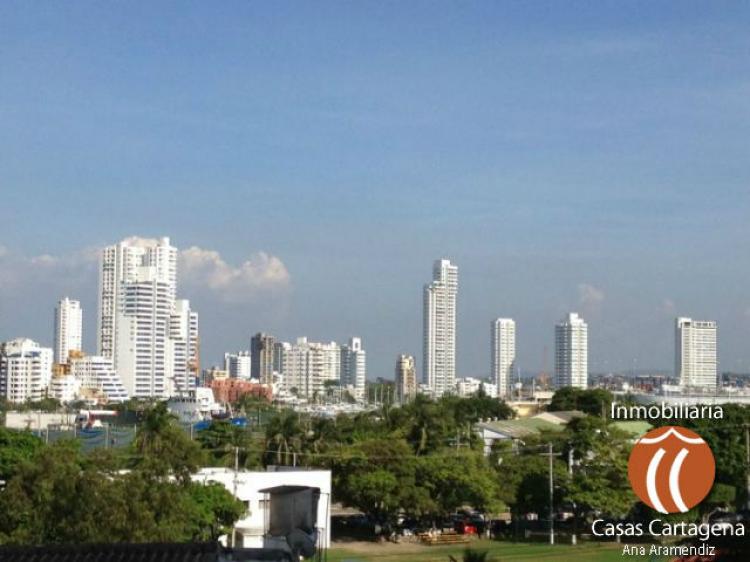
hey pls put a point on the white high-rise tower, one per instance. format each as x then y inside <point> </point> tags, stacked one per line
<point>151,337</point>
<point>571,352</point>
<point>503,354</point>
<point>182,366</point>
<point>126,262</point>
<point>68,329</point>
<point>695,353</point>
<point>439,368</point>
<point>354,367</point>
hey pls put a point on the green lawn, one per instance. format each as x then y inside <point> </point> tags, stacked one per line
<point>500,552</point>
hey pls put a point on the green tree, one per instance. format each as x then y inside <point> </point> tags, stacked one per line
<point>15,448</point>
<point>454,479</point>
<point>594,402</point>
<point>222,440</point>
<point>215,511</point>
<point>162,447</point>
<point>377,477</point>
<point>60,497</point>
<point>284,437</point>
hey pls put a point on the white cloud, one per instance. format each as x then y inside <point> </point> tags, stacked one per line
<point>19,270</point>
<point>590,298</point>
<point>260,273</point>
<point>200,270</point>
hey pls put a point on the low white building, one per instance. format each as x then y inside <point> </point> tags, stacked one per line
<point>98,373</point>
<point>469,386</point>
<point>251,530</point>
<point>65,388</point>
<point>36,420</point>
<point>25,370</point>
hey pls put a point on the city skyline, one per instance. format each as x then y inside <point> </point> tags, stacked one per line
<point>136,258</point>
<point>311,163</point>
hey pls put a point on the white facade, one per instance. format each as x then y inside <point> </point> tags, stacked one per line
<point>247,486</point>
<point>123,263</point>
<point>503,341</point>
<point>695,353</point>
<point>98,374</point>
<point>406,379</point>
<point>469,386</point>
<point>306,366</point>
<point>142,358</point>
<point>68,328</point>
<point>65,388</point>
<point>183,362</point>
<point>571,352</point>
<point>151,336</point>
<point>439,368</point>
<point>25,370</point>
<point>354,368</point>
<point>238,365</point>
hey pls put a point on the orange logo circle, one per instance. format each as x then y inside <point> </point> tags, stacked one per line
<point>671,469</point>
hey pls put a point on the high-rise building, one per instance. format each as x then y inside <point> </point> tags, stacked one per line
<point>571,352</point>
<point>151,336</point>
<point>143,355</point>
<point>439,369</point>
<point>68,328</point>
<point>503,362</point>
<point>354,368</point>
<point>25,370</point>
<point>307,366</point>
<point>262,357</point>
<point>695,353</point>
<point>183,348</point>
<point>238,365</point>
<point>124,263</point>
<point>406,379</point>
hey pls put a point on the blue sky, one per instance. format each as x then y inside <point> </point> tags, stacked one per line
<point>587,156</point>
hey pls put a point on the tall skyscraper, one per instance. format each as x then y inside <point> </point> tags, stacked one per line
<point>128,261</point>
<point>406,379</point>
<point>695,353</point>
<point>439,369</point>
<point>142,348</point>
<point>25,370</point>
<point>503,361</point>
<point>354,367</point>
<point>150,335</point>
<point>571,352</point>
<point>68,328</point>
<point>261,357</point>
<point>184,350</point>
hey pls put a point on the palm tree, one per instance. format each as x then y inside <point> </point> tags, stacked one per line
<point>163,448</point>
<point>154,429</point>
<point>284,435</point>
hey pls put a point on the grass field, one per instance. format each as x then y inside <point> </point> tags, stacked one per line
<point>499,552</point>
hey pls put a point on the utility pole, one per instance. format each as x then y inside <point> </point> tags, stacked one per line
<point>236,470</point>
<point>551,497</point>
<point>573,538</point>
